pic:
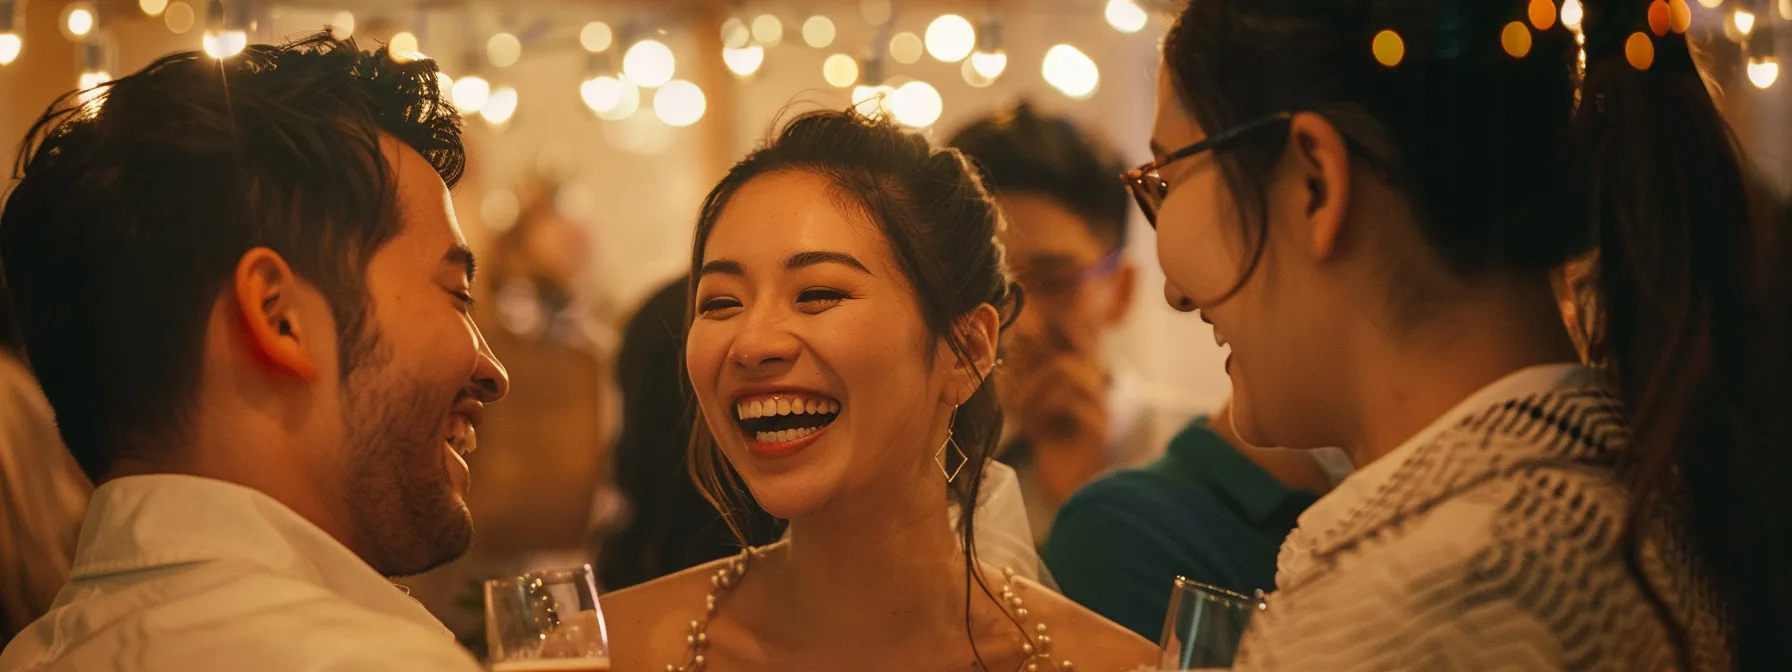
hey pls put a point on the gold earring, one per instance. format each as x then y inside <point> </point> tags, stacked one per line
<point>939,456</point>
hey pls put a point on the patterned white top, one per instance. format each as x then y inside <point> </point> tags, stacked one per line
<point>1492,540</point>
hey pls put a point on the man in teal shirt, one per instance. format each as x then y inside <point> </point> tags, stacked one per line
<point>1212,509</point>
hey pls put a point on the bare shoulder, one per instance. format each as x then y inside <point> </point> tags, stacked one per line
<point>648,623</point>
<point>1081,636</point>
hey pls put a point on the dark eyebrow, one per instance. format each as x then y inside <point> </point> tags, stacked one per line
<point>803,260</point>
<point>722,266</point>
<point>461,255</point>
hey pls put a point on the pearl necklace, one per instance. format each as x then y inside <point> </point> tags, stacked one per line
<point>1037,644</point>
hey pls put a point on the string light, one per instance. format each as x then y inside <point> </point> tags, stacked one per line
<point>1516,39</point>
<point>179,17</point>
<point>768,30</point>
<point>649,63</point>
<point>1745,21</point>
<point>950,38</point>
<point>152,7</point>
<point>906,48</point>
<point>989,64</point>
<point>77,20</point>
<point>225,32</point>
<point>743,62</point>
<point>1762,72</point>
<point>1711,4</point>
<point>818,31</point>
<point>12,25</point>
<point>840,70</point>
<point>1786,9</point>
<point>1572,14</point>
<point>470,93</point>
<point>735,34</point>
<point>1070,71</point>
<point>224,43</point>
<point>501,107</point>
<point>601,93</point>
<point>1389,49</point>
<point>445,85</point>
<point>1542,14</point>
<point>596,36</point>
<point>915,104</point>
<point>679,103</point>
<point>342,25</point>
<point>972,77</point>
<point>1126,16</point>
<point>504,50</point>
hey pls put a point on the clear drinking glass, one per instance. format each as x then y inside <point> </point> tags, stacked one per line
<point>544,621</point>
<point>1204,625</point>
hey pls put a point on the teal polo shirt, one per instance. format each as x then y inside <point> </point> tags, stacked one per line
<point>1203,511</point>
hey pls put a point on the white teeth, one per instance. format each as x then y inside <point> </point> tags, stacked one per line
<point>783,406</point>
<point>784,436</point>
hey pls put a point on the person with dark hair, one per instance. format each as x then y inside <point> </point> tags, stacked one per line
<point>242,286</point>
<point>1366,200</point>
<point>670,524</point>
<point>848,295</point>
<point>42,493</point>
<point>1071,414</point>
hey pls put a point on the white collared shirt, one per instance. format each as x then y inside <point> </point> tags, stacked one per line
<point>184,573</point>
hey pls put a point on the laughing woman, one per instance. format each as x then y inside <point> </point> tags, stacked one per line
<point>1366,199</point>
<point>849,296</point>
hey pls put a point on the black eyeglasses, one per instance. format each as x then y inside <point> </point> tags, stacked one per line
<point>1149,189</point>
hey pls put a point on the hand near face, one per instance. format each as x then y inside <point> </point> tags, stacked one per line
<point>1058,398</point>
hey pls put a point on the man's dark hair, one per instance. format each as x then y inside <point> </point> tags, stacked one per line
<point>1022,152</point>
<point>135,201</point>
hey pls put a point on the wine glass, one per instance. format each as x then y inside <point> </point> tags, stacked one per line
<point>544,621</point>
<point>1204,625</point>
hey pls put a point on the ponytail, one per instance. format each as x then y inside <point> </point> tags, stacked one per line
<point>1689,326</point>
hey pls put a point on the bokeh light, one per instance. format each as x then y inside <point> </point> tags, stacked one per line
<point>1572,14</point>
<point>342,25</point>
<point>649,63</point>
<point>401,44</point>
<point>875,12</point>
<point>501,107</point>
<point>950,38</point>
<point>596,36</point>
<point>470,93</point>
<point>153,7</point>
<point>989,64</point>
<point>1542,14</point>
<point>1762,72</point>
<point>818,31</point>
<point>840,70</point>
<point>1126,16</point>
<point>743,62</point>
<point>906,48</point>
<point>1744,20</point>
<point>916,104</point>
<point>10,46</point>
<point>179,17</point>
<point>1516,39</point>
<point>1389,48</point>
<point>1640,51</point>
<point>1680,16</point>
<point>224,44</point>
<point>679,103</point>
<point>504,50</point>
<point>768,30</point>
<point>78,20</point>
<point>627,102</point>
<point>1070,71</point>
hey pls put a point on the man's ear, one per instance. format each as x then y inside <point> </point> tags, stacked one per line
<point>1125,286</point>
<point>980,330</point>
<point>265,291</point>
<point>1321,160</point>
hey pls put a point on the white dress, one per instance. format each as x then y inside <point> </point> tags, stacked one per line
<point>1490,541</point>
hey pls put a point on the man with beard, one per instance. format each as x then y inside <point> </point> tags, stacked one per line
<point>244,291</point>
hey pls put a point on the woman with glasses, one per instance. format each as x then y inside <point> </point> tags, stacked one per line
<point>1366,200</point>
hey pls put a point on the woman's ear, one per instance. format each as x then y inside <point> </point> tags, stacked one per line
<point>980,331</point>
<point>1320,161</point>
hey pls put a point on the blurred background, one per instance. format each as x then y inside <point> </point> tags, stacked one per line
<point>595,128</point>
